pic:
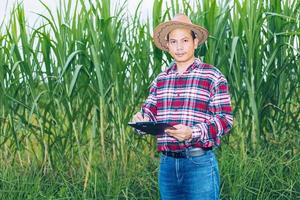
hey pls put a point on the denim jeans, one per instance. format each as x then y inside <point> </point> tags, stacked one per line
<point>189,178</point>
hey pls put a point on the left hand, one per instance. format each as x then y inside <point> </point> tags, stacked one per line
<point>182,132</point>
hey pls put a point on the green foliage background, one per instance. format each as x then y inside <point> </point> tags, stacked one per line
<point>69,86</point>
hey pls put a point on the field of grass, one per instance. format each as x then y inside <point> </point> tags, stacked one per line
<point>69,86</point>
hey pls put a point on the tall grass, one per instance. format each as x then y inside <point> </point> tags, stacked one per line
<point>69,86</point>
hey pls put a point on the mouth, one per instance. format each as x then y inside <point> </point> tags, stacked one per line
<point>179,54</point>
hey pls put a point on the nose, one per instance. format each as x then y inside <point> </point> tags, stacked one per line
<point>179,45</point>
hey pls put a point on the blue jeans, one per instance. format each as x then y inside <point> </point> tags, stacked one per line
<point>189,178</point>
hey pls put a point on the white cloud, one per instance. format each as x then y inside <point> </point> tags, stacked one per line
<point>31,7</point>
<point>34,6</point>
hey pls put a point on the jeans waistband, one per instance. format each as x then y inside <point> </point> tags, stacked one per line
<point>187,153</point>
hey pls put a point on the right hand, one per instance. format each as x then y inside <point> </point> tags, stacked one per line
<point>138,117</point>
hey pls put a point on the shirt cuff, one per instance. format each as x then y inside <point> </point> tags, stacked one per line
<point>198,131</point>
<point>147,113</point>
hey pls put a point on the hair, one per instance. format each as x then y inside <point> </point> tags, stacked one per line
<point>192,33</point>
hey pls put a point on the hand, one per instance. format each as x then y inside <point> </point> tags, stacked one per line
<point>181,133</point>
<point>138,117</point>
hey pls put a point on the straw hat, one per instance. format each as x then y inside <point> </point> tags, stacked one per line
<point>179,21</point>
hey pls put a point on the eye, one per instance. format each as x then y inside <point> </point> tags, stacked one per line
<point>173,42</point>
<point>186,40</point>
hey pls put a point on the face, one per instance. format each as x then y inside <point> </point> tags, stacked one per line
<point>182,45</point>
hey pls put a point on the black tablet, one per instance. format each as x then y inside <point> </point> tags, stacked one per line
<point>153,128</point>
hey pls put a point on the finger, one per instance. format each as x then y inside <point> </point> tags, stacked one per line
<point>137,117</point>
<point>146,119</point>
<point>178,126</point>
<point>171,131</point>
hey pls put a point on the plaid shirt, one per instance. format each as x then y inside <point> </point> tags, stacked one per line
<point>197,98</point>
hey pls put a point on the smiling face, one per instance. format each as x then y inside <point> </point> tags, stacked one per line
<point>182,46</point>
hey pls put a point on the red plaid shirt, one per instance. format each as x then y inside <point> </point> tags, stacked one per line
<point>197,98</point>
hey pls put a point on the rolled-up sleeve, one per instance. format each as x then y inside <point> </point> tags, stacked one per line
<point>209,132</point>
<point>149,108</point>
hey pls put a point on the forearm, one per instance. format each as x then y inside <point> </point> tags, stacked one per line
<point>209,132</point>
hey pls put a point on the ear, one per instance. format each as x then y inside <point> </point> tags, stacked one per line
<point>196,41</point>
<point>168,46</point>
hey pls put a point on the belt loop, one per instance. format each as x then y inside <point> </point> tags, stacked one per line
<point>187,152</point>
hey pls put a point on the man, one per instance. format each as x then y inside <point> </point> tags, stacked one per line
<point>193,97</point>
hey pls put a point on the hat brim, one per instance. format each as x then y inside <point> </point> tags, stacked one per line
<point>162,30</point>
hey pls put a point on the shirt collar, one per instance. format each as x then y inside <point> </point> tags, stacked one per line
<point>173,67</point>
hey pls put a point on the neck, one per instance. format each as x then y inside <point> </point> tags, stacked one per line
<point>182,66</point>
